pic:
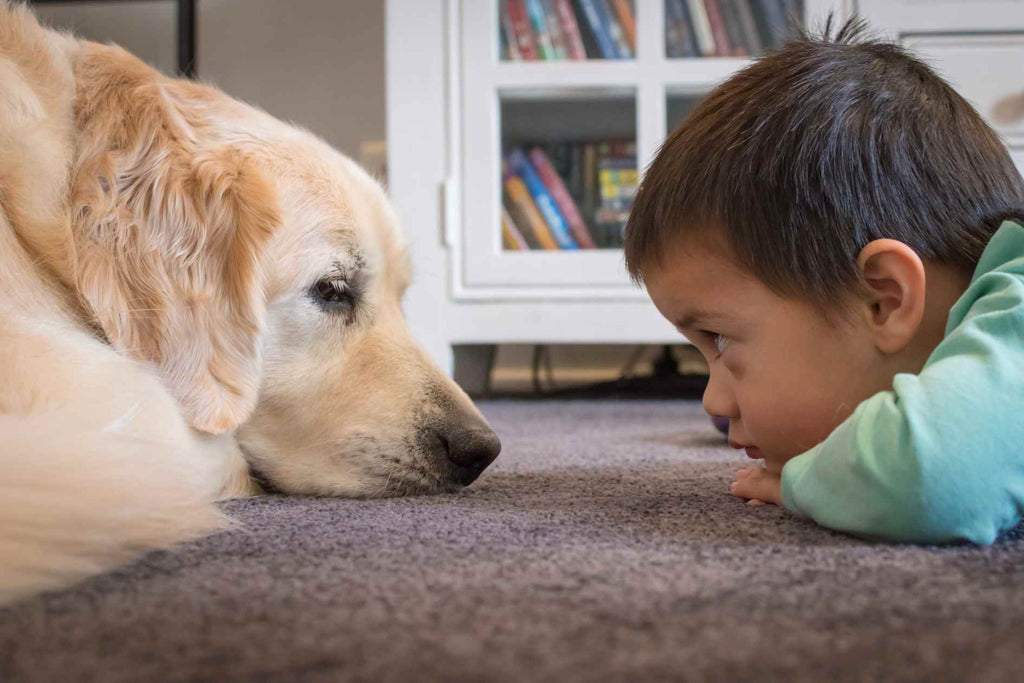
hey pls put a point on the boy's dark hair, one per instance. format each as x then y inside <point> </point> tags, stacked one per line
<point>813,151</point>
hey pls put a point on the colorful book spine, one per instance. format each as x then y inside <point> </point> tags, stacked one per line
<point>678,17</point>
<point>702,28</point>
<point>520,165</point>
<point>624,11</point>
<point>717,22</point>
<point>673,42</point>
<point>570,30</point>
<point>591,193</point>
<point>605,42</point>
<point>731,19</point>
<point>770,17</point>
<point>554,29</point>
<point>516,11</point>
<point>567,207</point>
<point>511,237</point>
<point>617,178</point>
<point>509,41</point>
<point>538,21</point>
<point>611,24</point>
<point>751,38</point>
<point>527,218</point>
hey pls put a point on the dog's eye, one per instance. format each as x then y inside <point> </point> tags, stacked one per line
<point>334,295</point>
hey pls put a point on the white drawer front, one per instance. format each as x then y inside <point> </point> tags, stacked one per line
<point>988,70</point>
<point>926,16</point>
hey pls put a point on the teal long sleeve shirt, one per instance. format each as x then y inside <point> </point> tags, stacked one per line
<point>940,457</point>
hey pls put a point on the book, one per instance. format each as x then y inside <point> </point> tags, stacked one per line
<point>717,22</point>
<point>751,38</point>
<point>511,237</point>
<point>591,193</point>
<point>574,172</point>
<point>678,16</point>
<point>605,43</point>
<point>554,29</point>
<point>673,43</point>
<point>570,30</point>
<point>587,35</point>
<point>770,17</point>
<point>538,21</point>
<point>731,19</point>
<point>611,23</point>
<point>624,12</point>
<point>520,165</point>
<point>701,28</point>
<point>618,179</point>
<point>509,40</point>
<point>556,188</point>
<point>524,213</point>
<point>516,12</point>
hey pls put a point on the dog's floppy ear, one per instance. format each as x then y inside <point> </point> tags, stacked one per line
<point>168,243</point>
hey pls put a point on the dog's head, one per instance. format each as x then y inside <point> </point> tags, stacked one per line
<point>261,272</point>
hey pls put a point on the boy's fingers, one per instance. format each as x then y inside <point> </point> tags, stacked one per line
<point>755,502</point>
<point>743,489</point>
<point>757,488</point>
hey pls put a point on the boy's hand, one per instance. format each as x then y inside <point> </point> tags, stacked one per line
<point>757,484</point>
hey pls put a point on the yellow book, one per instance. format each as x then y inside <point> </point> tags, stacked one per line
<point>527,216</point>
<point>511,238</point>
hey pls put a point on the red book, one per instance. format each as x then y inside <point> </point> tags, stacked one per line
<point>563,200</point>
<point>570,30</point>
<point>516,10</point>
<point>717,21</point>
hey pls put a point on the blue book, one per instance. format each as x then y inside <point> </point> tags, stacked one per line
<point>597,17</point>
<point>538,20</point>
<point>521,166</point>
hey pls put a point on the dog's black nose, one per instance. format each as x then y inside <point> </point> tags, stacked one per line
<point>471,450</point>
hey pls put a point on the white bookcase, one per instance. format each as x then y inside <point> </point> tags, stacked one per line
<point>447,92</point>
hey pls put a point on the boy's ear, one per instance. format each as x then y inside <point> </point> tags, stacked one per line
<point>893,299</point>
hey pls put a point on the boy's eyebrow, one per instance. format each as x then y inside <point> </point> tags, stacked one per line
<point>700,318</point>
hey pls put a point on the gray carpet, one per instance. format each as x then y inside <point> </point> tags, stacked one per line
<point>602,546</point>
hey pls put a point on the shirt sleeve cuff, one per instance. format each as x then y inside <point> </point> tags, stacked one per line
<point>792,472</point>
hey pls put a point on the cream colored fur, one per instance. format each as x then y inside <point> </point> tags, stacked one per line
<point>160,250</point>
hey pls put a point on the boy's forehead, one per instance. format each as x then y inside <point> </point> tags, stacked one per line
<point>698,262</point>
<point>695,284</point>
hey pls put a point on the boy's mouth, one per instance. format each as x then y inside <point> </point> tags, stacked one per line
<point>751,451</point>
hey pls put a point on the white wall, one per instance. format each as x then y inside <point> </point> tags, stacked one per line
<point>318,63</point>
<point>144,28</point>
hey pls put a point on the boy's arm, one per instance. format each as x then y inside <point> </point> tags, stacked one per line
<point>941,456</point>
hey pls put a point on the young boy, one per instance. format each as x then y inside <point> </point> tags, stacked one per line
<point>834,229</point>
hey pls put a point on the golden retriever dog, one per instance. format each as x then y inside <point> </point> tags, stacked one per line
<point>196,299</point>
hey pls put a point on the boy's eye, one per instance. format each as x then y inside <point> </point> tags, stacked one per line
<point>720,341</point>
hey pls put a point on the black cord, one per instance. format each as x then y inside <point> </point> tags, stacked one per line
<point>492,357</point>
<point>549,369</point>
<point>536,370</point>
<point>627,369</point>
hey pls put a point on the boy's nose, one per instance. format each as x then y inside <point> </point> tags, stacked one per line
<point>718,400</point>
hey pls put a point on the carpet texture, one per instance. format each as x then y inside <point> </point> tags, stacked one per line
<point>601,546</point>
